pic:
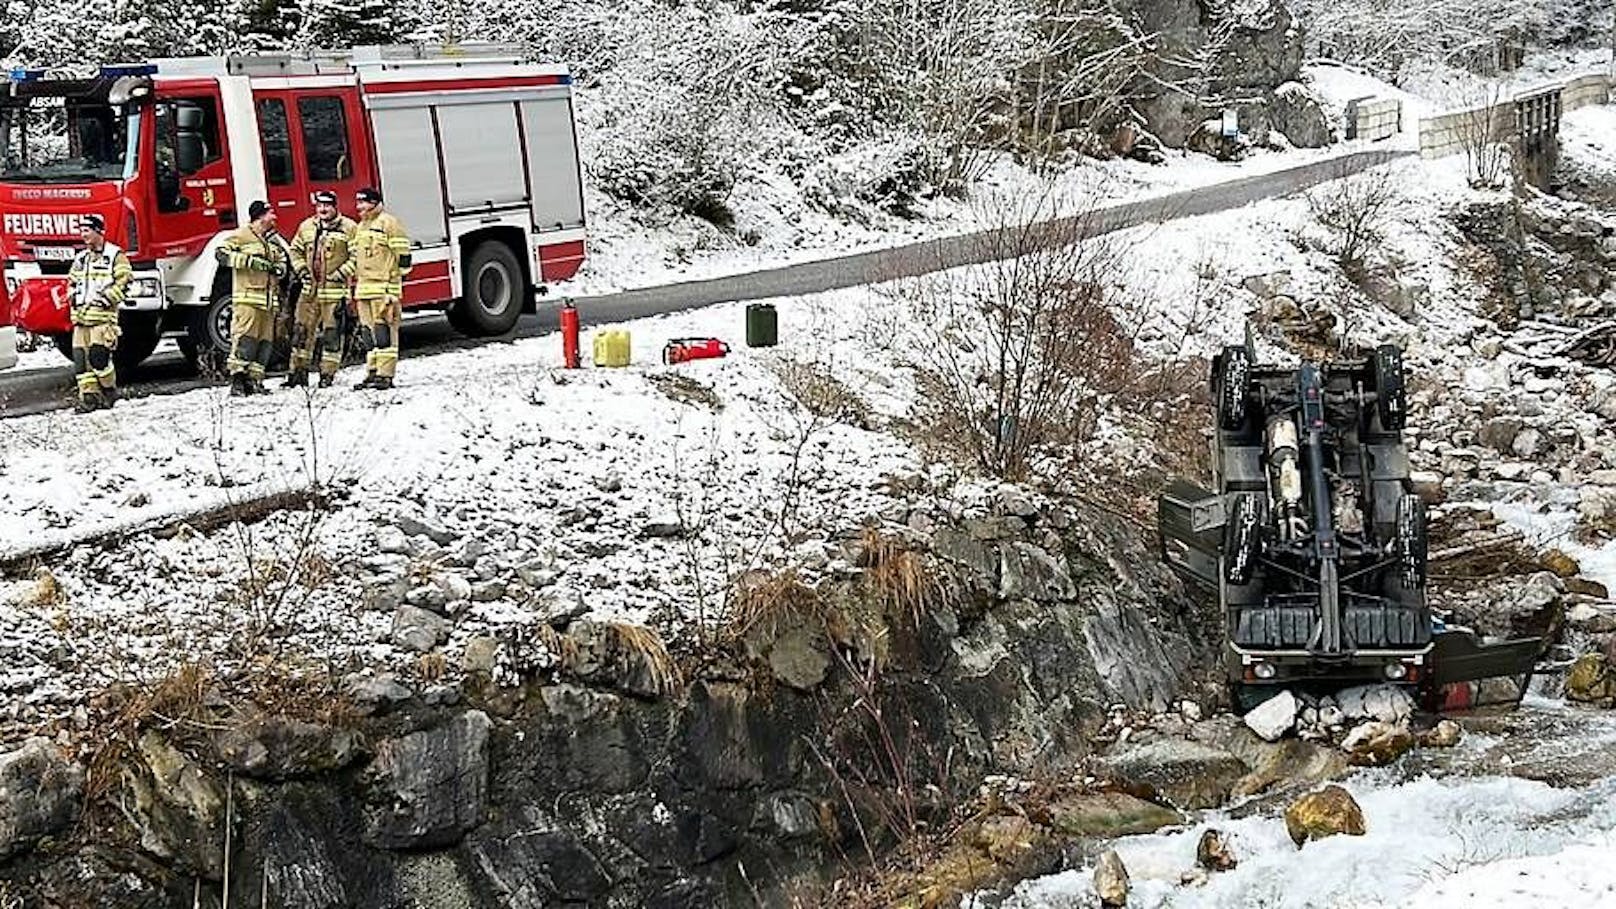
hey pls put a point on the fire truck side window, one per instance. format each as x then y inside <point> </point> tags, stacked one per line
<point>325,138</point>
<point>187,141</point>
<point>277,140</point>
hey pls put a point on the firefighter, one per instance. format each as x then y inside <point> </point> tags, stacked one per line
<point>97,282</point>
<point>258,262</point>
<point>382,254</point>
<point>321,260</point>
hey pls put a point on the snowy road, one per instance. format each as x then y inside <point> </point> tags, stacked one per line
<point>38,390</point>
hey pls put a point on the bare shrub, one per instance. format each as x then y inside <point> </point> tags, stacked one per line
<point>901,578</point>
<point>1484,127</point>
<point>1018,357</point>
<point>1354,210</point>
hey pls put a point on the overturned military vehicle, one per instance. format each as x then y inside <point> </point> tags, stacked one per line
<point>1312,539</point>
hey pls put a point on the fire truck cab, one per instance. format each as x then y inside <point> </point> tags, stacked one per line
<point>475,151</point>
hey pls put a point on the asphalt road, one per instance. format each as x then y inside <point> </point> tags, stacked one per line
<point>33,391</point>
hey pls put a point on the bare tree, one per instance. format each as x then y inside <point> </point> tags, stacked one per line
<point>1354,210</point>
<point>1483,127</point>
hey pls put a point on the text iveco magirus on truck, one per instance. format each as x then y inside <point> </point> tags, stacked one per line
<point>475,151</point>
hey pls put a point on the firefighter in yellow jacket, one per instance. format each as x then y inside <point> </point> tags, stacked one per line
<point>97,283</point>
<point>322,260</point>
<point>258,262</point>
<point>382,259</point>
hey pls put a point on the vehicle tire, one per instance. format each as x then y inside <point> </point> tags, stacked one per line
<point>1391,402</point>
<point>64,345</point>
<point>138,336</point>
<point>1244,698</point>
<point>208,334</point>
<point>1242,541</point>
<point>1234,387</point>
<point>1412,547</point>
<point>493,292</point>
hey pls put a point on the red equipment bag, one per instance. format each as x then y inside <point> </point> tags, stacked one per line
<point>40,306</point>
<point>684,350</point>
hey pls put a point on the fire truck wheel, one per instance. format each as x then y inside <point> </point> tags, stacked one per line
<point>138,337</point>
<point>1411,541</point>
<point>208,333</point>
<point>1390,398</point>
<point>1234,387</point>
<point>493,291</point>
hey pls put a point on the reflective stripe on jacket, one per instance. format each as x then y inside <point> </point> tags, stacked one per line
<point>382,252</point>
<point>326,250</point>
<point>251,260</point>
<point>97,284</point>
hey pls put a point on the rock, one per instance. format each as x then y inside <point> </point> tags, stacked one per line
<point>279,748</point>
<point>798,658</point>
<point>427,789</point>
<point>376,694</point>
<point>1376,744</point>
<point>1444,734</point>
<point>420,527</point>
<point>1267,286</point>
<point>1499,433</point>
<point>664,530</point>
<point>455,588</point>
<point>1597,504</point>
<point>392,540</point>
<point>419,630</point>
<point>1189,775</point>
<point>1015,501</point>
<point>1190,710</point>
<point>1299,115</point>
<point>427,596</point>
<point>537,575</point>
<point>489,591</point>
<point>480,656</point>
<point>41,794</point>
<point>788,815</point>
<point>630,658</point>
<point>609,483</point>
<point>1386,703</point>
<point>1588,588</point>
<point>1213,852</point>
<point>1109,814</point>
<point>1563,566</point>
<point>469,551</point>
<point>531,862</point>
<point>1528,444</point>
<point>1428,486</point>
<point>1591,680</point>
<point>1028,572</point>
<point>1273,718</point>
<point>178,808</point>
<point>1006,838</point>
<point>1588,618</point>
<point>1328,812</point>
<point>385,594</point>
<point>1111,880</point>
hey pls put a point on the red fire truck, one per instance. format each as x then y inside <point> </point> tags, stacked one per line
<point>474,150</point>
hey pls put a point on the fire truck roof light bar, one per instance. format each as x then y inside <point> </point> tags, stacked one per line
<point>23,74</point>
<point>128,69</point>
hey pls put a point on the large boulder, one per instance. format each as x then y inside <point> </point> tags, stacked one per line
<point>1592,680</point>
<point>1189,775</point>
<point>428,788</point>
<point>40,795</point>
<point>1331,811</point>
<point>531,862</point>
<point>179,809</point>
<point>279,748</point>
<point>1387,703</point>
<point>1376,744</point>
<point>1274,717</point>
<point>1298,114</point>
<point>1109,814</point>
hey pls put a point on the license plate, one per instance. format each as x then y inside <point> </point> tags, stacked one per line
<point>54,253</point>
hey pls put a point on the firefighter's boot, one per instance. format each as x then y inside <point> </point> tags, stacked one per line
<point>111,395</point>
<point>297,378</point>
<point>369,381</point>
<point>382,382</point>
<point>327,380</point>
<point>240,385</point>
<point>89,403</point>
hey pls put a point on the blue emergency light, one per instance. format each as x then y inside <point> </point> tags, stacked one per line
<point>119,70</point>
<point>23,74</point>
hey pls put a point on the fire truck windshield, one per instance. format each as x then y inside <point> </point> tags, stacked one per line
<point>56,140</point>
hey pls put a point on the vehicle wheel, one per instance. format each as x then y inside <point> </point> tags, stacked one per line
<point>1242,541</point>
<point>138,336</point>
<point>1391,402</point>
<point>494,290</point>
<point>1234,387</point>
<point>1245,698</point>
<point>208,332</point>
<point>64,345</point>
<point>1411,541</point>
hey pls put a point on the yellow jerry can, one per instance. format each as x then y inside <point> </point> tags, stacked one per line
<point>612,348</point>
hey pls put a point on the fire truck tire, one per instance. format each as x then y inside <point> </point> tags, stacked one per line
<point>1412,546</point>
<point>208,334</point>
<point>138,338</point>
<point>1242,541</point>
<point>494,291</point>
<point>1391,401</point>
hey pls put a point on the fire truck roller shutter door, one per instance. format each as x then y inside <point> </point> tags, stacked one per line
<point>552,156</point>
<point>409,171</point>
<point>482,156</point>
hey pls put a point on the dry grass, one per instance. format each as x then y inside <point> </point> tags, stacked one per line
<point>685,390</point>
<point>649,650</point>
<point>178,701</point>
<point>768,602</point>
<point>901,578</point>
<point>822,394</point>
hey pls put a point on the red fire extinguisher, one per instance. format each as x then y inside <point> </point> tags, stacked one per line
<point>684,350</point>
<point>569,334</point>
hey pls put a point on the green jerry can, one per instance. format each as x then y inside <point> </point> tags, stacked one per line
<point>762,325</point>
<point>612,348</point>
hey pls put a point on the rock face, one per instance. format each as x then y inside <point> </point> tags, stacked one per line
<point>181,810</point>
<point>40,795</point>
<point>1329,812</point>
<point>278,748</point>
<point>1111,880</point>
<point>428,788</point>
